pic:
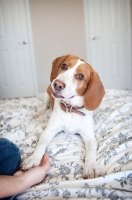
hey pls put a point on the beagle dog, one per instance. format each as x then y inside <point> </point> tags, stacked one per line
<point>75,91</point>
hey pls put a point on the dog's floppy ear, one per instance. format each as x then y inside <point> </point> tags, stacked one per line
<point>55,66</point>
<point>94,93</point>
<point>49,91</point>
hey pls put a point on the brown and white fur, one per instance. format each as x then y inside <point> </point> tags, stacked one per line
<point>74,82</point>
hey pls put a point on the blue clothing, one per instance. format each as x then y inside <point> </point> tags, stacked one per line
<point>9,158</point>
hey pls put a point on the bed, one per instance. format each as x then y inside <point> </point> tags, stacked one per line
<point>113,128</point>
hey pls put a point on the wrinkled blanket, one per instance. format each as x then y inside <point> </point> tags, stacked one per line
<point>113,129</point>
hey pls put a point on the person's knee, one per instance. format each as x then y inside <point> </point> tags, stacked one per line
<point>10,157</point>
<point>14,154</point>
<point>9,147</point>
<point>14,150</point>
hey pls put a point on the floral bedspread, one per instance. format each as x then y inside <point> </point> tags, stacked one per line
<point>113,128</point>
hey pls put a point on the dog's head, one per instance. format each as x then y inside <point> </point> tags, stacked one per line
<point>71,76</point>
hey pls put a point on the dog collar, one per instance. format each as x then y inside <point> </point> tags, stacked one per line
<point>69,108</point>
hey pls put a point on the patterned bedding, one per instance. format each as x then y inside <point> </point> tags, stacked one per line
<point>113,128</point>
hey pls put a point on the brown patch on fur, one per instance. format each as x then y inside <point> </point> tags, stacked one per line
<point>83,69</point>
<point>49,91</point>
<point>55,67</point>
<point>69,60</point>
<point>95,91</point>
<point>90,87</point>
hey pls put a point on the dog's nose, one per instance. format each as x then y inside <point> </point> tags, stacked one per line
<point>58,85</point>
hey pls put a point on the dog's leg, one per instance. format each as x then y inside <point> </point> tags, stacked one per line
<point>91,168</point>
<point>43,109</point>
<point>51,130</point>
<point>35,158</point>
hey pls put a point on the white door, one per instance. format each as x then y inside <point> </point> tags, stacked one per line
<point>109,41</point>
<point>16,69</point>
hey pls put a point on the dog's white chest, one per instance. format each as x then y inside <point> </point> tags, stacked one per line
<point>71,122</point>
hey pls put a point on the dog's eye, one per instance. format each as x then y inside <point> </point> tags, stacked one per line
<point>79,76</point>
<point>63,67</point>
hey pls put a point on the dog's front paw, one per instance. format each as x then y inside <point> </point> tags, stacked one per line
<point>92,171</point>
<point>30,162</point>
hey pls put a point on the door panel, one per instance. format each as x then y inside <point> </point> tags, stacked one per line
<point>109,41</point>
<point>16,70</point>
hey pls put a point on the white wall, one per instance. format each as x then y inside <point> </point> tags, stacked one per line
<point>58,29</point>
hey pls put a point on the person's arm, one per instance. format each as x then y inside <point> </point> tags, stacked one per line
<point>20,181</point>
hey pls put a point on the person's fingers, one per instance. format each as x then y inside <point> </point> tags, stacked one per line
<point>45,162</point>
<point>46,156</point>
<point>44,159</point>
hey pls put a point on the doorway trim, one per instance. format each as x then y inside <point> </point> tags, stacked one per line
<point>34,70</point>
<point>87,33</point>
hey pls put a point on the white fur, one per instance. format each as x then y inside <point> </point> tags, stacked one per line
<point>69,122</point>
